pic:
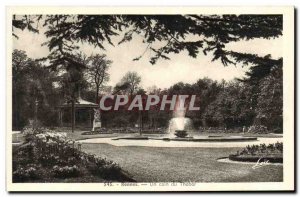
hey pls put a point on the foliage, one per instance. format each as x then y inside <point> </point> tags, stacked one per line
<point>73,80</point>
<point>26,173</point>
<point>24,22</point>
<point>54,152</point>
<point>231,106</point>
<point>102,167</point>
<point>262,149</point>
<point>66,171</point>
<point>211,32</point>
<point>97,72</point>
<point>270,99</point>
<point>257,101</point>
<point>132,81</point>
<point>258,129</point>
<point>272,153</point>
<point>32,81</point>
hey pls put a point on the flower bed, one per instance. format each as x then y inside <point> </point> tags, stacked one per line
<point>272,153</point>
<point>97,132</point>
<point>48,155</point>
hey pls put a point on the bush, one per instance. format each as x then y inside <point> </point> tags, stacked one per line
<point>66,171</point>
<point>262,148</point>
<point>277,130</point>
<point>53,152</point>
<point>49,159</point>
<point>29,134</point>
<point>271,152</point>
<point>258,129</point>
<point>101,167</point>
<point>26,173</point>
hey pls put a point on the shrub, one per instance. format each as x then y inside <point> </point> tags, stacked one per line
<point>271,152</point>
<point>66,171</point>
<point>111,171</point>
<point>101,167</point>
<point>29,134</point>
<point>277,130</point>
<point>48,159</point>
<point>53,152</point>
<point>258,129</point>
<point>276,148</point>
<point>26,173</point>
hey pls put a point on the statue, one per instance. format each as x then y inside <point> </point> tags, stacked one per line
<point>97,120</point>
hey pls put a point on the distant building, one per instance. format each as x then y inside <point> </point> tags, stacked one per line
<point>84,113</point>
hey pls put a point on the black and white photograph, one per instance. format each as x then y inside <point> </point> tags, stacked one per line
<point>150,99</point>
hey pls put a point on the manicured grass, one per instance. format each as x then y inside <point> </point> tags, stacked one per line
<point>155,164</point>
<point>147,164</point>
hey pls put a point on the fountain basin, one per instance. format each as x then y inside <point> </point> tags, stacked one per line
<point>168,141</point>
<point>181,133</point>
<point>191,139</point>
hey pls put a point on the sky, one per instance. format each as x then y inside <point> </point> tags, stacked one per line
<point>165,73</point>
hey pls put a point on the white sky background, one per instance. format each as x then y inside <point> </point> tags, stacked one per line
<point>164,73</point>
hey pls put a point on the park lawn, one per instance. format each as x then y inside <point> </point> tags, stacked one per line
<point>147,164</point>
<point>156,164</point>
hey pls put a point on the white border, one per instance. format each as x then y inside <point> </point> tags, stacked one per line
<point>288,110</point>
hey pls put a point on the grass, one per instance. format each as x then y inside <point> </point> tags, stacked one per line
<point>155,164</point>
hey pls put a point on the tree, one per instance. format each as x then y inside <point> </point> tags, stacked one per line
<point>132,79</point>
<point>97,72</point>
<point>20,63</point>
<point>31,81</point>
<point>231,107</point>
<point>207,90</point>
<point>269,108</point>
<point>73,81</point>
<point>211,33</point>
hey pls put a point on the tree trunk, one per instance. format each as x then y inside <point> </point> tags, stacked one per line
<point>73,115</point>
<point>97,94</point>
<point>140,122</point>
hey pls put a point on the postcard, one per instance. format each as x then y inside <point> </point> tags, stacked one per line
<point>150,99</point>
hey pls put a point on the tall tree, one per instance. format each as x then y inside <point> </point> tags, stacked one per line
<point>210,34</point>
<point>97,72</point>
<point>269,107</point>
<point>31,81</point>
<point>73,80</point>
<point>133,80</point>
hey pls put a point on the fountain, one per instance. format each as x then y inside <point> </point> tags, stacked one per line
<point>179,125</point>
<point>179,130</point>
